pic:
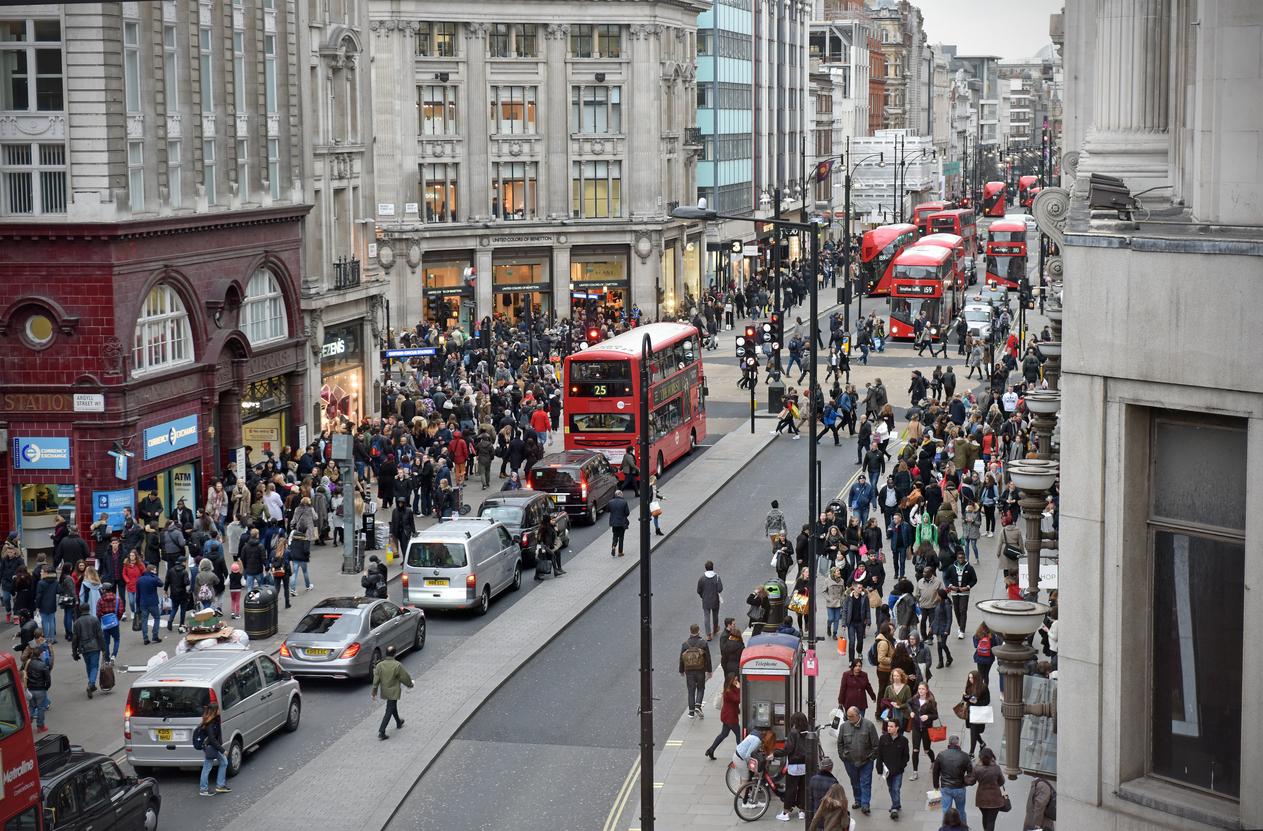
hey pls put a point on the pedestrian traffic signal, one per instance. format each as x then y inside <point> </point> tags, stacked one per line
<point>594,335</point>
<point>747,348</point>
<point>776,324</point>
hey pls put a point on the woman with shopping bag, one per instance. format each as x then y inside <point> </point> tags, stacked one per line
<point>655,504</point>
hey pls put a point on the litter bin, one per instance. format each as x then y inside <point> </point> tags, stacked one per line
<point>776,602</point>
<point>260,612</point>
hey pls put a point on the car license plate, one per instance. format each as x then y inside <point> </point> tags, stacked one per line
<point>558,498</point>
<point>316,652</point>
<point>436,582</point>
<point>165,735</point>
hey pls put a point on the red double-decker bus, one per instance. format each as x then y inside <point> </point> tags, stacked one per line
<point>1006,252</point>
<point>921,214</point>
<point>960,276</point>
<point>920,275</point>
<point>1025,187</point>
<point>878,249</point>
<point>603,390</point>
<point>959,221</point>
<point>994,199</point>
<point>20,803</point>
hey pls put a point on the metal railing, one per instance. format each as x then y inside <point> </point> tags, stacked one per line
<point>346,273</point>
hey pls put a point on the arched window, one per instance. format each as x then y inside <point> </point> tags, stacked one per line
<point>163,337</point>
<point>263,311</point>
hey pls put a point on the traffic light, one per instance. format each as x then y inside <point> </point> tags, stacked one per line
<point>747,349</point>
<point>776,326</point>
<point>593,335</point>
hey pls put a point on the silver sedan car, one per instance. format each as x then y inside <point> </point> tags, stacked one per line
<point>345,637</point>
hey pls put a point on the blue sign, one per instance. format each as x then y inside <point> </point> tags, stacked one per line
<point>419,352</point>
<point>120,467</point>
<point>41,453</point>
<point>170,436</point>
<point>112,504</point>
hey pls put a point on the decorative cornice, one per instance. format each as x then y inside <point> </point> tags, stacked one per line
<point>644,31</point>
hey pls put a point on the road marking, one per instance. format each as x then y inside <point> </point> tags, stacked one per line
<point>620,799</point>
<point>842,493</point>
<point>674,742</point>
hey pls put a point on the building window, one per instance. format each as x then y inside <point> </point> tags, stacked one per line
<point>526,40</point>
<point>1196,533</point>
<point>171,69</point>
<point>513,110</point>
<point>263,310</point>
<point>596,109</point>
<point>438,189</point>
<point>500,40</point>
<point>163,337</point>
<point>704,96</point>
<point>239,70</point>
<point>513,186</point>
<point>703,42</point>
<point>436,40</point>
<point>596,190</point>
<point>34,178</point>
<point>436,110</point>
<point>269,73</point>
<point>581,41</point>
<point>30,65</point>
<point>174,171</point>
<point>274,167</point>
<point>208,170</point>
<point>243,168</point>
<point>206,65</point>
<point>131,66</point>
<point>609,41</point>
<point>596,41</point>
<point>136,176</point>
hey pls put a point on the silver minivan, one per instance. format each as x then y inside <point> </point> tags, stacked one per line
<point>461,565</point>
<point>255,696</point>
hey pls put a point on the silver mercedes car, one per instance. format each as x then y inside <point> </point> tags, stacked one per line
<point>345,637</point>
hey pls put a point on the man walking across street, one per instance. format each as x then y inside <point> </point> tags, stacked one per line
<point>87,642</point>
<point>696,667</point>
<point>710,589</point>
<point>620,520</point>
<point>390,677</point>
<point>857,747</point>
<point>948,773</point>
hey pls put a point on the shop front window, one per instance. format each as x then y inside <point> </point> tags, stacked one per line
<point>39,507</point>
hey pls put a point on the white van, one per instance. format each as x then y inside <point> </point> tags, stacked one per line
<point>461,565</point>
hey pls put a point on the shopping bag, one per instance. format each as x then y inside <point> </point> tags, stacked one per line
<point>390,553</point>
<point>981,715</point>
<point>655,508</point>
<point>933,800</point>
<point>841,645</point>
<point>937,734</point>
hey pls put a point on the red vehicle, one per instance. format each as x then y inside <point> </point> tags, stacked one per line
<point>993,199</point>
<point>21,806</point>
<point>878,249</point>
<point>962,223</point>
<point>921,214</point>
<point>603,391</point>
<point>920,275</point>
<point>961,275</point>
<point>1025,190</point>
<point>1006,253</point>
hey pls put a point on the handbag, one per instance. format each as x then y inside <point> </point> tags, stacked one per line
<point>982,715</point>
<point>796,769</point>
<point>109,620</point>
<point>798,603</point>
<point>1012,551</point>
<point>874,599</point>
<point>1008,804</point>
<point>936,734</point>
<point>961,710</point>
<point>655,508</point>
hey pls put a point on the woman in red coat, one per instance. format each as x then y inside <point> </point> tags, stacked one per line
<point>856,689</point>
<point>729,714</point>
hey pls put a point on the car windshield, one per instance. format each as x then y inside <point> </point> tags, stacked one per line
<point>436,555</point>
<point>508,514</point>
<point>169,701</point>
<point>328,623</point>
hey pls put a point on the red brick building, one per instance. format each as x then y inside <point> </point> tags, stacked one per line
<point>177,340</point>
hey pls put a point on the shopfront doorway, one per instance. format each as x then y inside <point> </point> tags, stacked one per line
<point>172,485</point>
<point>265,418</point>
<point>521,281</point>
<point>449,298</point>
<point>599,288</point>
<point>341,376</point>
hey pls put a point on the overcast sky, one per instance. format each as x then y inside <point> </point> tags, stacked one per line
<point>1008,28</point>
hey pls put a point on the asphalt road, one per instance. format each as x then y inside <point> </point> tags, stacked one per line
<point>567,723</point>
<point>331,707</point>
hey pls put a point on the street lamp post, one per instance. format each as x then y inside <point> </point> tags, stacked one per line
<point>1044,405</point>
<point>646,609</point>
<point>1052,367</point>
<point>1034,478</point>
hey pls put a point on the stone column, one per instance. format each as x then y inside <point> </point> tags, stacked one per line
<point>561,281</point>
<point>641,122</point>
<point>476,171</point>
<point>554,112</point>
<point>1131,113</point>
<point>483,288</point>
<point>387,69</point>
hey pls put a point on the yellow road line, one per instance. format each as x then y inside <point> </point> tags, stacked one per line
<point>620,799</point>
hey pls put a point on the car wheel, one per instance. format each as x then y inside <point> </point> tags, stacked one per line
<point>294,716</point>
<point>374,661</point>
<point>418,638</point>
<point>236,754</point>
<point>591,515</point>
<point>517,578</point>
<point>484,601</point>
<point>151,817</point>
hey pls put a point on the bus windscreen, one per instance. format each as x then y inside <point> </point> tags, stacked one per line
<point>600,378</point>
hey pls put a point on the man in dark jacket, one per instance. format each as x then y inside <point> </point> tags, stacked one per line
<point>72,549</point>
<point>403,525</point>
<point>730,648</point>
<point>620,520</point>
<point>182,516</point>
<point>179,589</point>
<point>959,578</point>
<point>46,602</point>
<point>819,784</point>
<point>696,667</point>
<point>948,773</point>
<point>900,536</point>
<point>252,557</point>
<point>150,509</point>
<point>857,747</point>
<point>87,642</point>
<point>709,589</point>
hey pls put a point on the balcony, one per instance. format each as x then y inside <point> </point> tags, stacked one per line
<point>692,137</point>
<point>346,273</point>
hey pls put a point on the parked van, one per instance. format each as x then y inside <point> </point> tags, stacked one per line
<point>461,565</point>
<point>255,696</point>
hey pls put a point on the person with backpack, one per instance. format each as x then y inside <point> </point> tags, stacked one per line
<point>206,591</point>
<point>710,589</point>
<point>695,666</point>
<point>984,652</point>
<point>109,610</point>
<point>38,675</point>
<point>87,643</point>
<point>208,737</point>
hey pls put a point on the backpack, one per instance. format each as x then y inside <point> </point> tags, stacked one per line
<point>199,738</point>
<point>206,594</point>
<point>984,647</point>
<point>694,659</point>
<point>871,655</point>
<point>783,561</point>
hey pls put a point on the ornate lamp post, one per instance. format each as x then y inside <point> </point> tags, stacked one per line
<point>1052,367</point>
<point>1015,620</point>
<point>1044,405</point>
<point>1034,477</point>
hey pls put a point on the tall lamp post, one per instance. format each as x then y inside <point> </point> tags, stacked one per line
<point>1044,405</point>
<point>858,289</point>
<point>646,609</point>
<point>1034,477</point>
<point>903,175</point>
<point>1016,621</point>
<point>702,213</point>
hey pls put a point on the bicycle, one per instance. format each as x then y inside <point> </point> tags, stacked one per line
<point>765,782</point>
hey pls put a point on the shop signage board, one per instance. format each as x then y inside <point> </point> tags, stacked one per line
<point>112,503</point>
<point>170,436</point>
<point>302,438</point>
<point>182,487</point>
<point>41,453</point>
<point>240,456</point>
<point>419,352</point>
